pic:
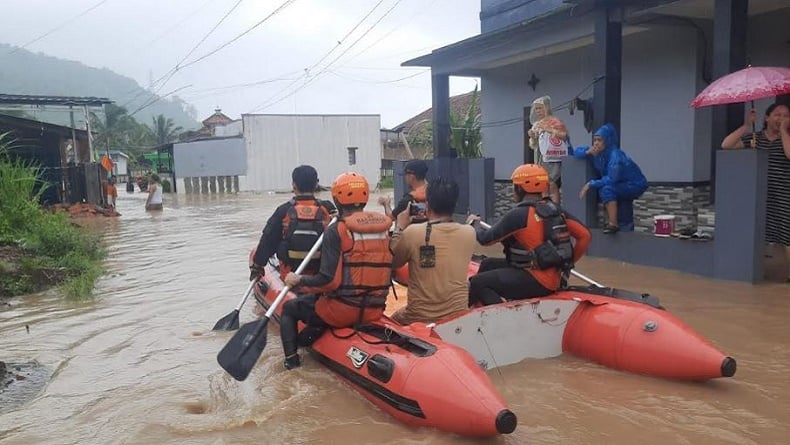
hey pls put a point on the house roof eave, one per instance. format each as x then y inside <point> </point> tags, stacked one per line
<point>475,55</point>
<point>482,42</point>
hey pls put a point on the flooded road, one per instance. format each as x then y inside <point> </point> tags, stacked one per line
<point>137,365</point>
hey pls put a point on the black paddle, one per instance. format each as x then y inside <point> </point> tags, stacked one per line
<point>230,322</point>
<point>243,350</point>
<point>485,225</point>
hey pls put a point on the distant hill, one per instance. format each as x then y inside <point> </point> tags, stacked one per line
<point>24,72</point>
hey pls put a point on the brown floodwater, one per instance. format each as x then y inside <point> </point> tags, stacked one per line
<point>137,364</point>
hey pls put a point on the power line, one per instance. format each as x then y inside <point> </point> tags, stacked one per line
<point>157,99</point>
<point>247,84</point>
<point>307,70</point>
<point>180,22</point>
<point>59,27</point>
<point>175,69</point>
<point>356,79</point>
<point>340,42</point>
<point>219,48</point>
<point>325,68</point>
<point>178,66</point>
<point>420,11</point>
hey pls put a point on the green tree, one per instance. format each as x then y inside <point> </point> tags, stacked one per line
<point>465,134</point>
<point>119,130</point>
<point>164,130</point>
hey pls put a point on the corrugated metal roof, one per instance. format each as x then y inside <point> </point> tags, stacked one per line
<point>52,100</point>
<point>13,121</point>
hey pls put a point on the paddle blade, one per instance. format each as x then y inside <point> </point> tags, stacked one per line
<point>229,322</point>
<point>240,354</point>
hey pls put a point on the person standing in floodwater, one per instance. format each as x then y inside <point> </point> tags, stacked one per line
<point>154,200</point>
<point>112,192</point>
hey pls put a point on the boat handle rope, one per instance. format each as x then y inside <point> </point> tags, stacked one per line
<point>491,353</point>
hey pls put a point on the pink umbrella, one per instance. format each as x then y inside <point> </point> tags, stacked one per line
<point>748,84</point>
<point>751,83</point>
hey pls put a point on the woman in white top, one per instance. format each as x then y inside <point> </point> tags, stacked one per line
<point>154,201</point>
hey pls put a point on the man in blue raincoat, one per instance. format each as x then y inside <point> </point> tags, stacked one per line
<point>621,179</point>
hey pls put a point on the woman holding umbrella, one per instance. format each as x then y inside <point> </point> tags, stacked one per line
<point>774,137</point>
<point>750,84</point>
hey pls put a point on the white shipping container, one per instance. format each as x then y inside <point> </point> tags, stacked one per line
<point>276,144</point>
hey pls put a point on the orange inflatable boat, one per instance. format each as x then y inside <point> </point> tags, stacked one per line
<point>615,328</point>
<point>408,372</point>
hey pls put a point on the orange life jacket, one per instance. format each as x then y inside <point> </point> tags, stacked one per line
<point>303,223</point>
<point>544,246</point>
<point>367,260</point>
<point>366,268</point>
<point>419,194</point>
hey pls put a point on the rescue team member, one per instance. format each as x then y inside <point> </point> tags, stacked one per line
<point>536,235</point>
<point>415,171</point>
<point>353,281</point>
<point>294,227</point>
<point>437,253</point>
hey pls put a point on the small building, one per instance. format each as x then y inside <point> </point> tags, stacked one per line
<point>54,149</point>
<point>65,154</point>
<point>209,165</point>
<point>333,144</point>
<point>217,119</point>
<point>232,128</point>
<point>394,147</point>
<point>120,168</point>
<point>259,151</point>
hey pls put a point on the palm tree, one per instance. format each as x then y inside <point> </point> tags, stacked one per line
<point>112,129</point>
<point>164,130</point>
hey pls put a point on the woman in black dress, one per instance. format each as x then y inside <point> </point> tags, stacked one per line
<point>774,137</point>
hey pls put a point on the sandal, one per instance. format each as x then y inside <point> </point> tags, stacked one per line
<point>701,236</point>
<point>610,229</point>
<point>686,233</point>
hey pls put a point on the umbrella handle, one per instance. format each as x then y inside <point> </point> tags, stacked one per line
<point>754,136</point>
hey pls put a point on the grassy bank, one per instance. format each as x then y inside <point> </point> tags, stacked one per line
<point>39,248</point>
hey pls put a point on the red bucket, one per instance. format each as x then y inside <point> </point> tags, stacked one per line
<point>664,225</point>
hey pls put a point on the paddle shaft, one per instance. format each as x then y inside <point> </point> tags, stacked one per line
<point>299,270</point>
<point>246,295</point>
<point>582,277</point>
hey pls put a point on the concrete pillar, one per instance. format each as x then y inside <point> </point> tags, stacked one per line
<point>204,185</point>
<point>440,99</point>
<point>742,178</point>
<point>236,184</point>
<point>221,184</point>
<point>730,25</point>
<point>195,185</point>
<point>212,184</point>
<point>607,62</point>
<point>187,185</point>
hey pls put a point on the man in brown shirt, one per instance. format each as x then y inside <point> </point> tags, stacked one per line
<point>438,254</point>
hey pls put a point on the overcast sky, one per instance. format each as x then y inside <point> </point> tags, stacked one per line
<point>145,39</point>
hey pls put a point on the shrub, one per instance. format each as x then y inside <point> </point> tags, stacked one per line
<point>53,249</point>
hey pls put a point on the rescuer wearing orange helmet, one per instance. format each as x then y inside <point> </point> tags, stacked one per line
<point>353,279</point>
<point>536,235</point>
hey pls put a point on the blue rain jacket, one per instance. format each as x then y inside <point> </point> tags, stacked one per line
<point>613,164</point>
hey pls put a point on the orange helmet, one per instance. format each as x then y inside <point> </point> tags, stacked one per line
<point>531,178</point>
<point>350,188</point>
